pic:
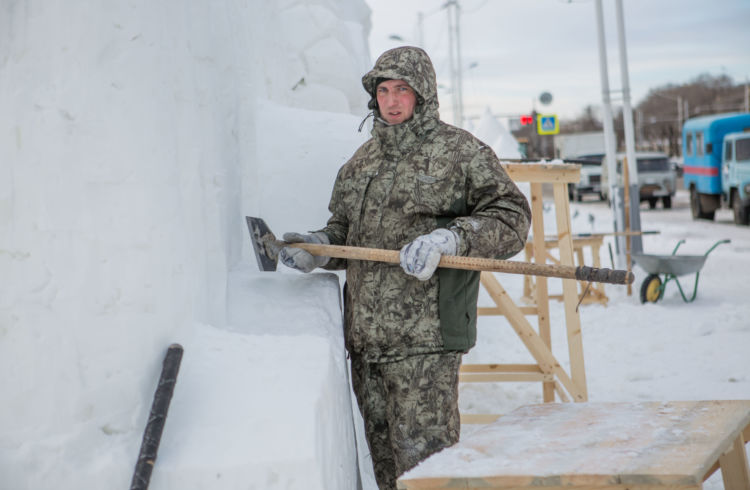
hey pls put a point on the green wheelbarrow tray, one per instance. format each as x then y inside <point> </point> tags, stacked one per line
<point>671,266</point>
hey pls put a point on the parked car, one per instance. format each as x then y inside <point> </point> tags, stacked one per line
<point>591,177</point>
<point>657,178</point>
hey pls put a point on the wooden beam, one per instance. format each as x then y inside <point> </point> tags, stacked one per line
<point>734,467</point>
<point>500,368</point>
<point>505,377</point>
<point>542,286</point>
<point>570,291</point>
<point>479,418</point>
<point>543,173</point>
<point>495,311</point>
<point>561,393</point>
<point>493,373</point>
<point>715,466</point>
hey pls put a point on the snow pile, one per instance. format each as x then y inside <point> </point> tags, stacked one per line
<point>497,136</point>
<point>264,402</point>
<point>134,138</point>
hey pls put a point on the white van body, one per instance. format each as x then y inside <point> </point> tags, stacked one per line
<point>657,178</point>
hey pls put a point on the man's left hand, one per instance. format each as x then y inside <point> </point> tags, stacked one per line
<point>420,257</point>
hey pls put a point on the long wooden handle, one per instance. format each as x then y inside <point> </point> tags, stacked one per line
<point>582,273</point>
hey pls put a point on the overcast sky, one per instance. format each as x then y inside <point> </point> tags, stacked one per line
<point>521,48</point>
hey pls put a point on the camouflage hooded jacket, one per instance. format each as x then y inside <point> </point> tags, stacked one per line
<point>406,181</point>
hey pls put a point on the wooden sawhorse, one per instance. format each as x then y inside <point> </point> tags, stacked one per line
<point>566,446</point>
<point>547,370</point>
<point>588,293</point>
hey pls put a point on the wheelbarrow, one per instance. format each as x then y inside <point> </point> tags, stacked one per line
<point>671,266</point>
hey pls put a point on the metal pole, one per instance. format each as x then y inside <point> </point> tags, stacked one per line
<point>420,29</point>
<point>678,146</point>
<point>459,64</point>
<point>609,136</point>
<point>626,108</point>
<point>452,63</point>
<point>627,222</point>
<point>632,211</point>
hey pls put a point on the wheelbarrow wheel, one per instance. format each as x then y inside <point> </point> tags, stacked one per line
<point>651,289</point>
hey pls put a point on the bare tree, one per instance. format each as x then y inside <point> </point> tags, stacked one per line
<point>661,114</point>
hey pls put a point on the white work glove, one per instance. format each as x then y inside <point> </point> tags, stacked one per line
<point>299,259</point>
<point>420,257</point>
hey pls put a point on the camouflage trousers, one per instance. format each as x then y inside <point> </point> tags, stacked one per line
<point>410,409</point>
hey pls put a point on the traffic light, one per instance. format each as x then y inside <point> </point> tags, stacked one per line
<point>526,120</point>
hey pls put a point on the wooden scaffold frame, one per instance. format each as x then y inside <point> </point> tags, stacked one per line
<point>547,370</point>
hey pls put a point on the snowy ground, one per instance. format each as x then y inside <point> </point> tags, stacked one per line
<point>670,350</point>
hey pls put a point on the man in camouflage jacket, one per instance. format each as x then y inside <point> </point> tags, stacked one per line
<point>426,188</point>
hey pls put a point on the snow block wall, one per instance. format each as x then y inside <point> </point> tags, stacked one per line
<point>134,138</point>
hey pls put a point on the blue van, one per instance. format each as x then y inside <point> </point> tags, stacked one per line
<point>702,149</point>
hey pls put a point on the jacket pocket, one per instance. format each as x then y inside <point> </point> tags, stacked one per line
<point>434,194</point>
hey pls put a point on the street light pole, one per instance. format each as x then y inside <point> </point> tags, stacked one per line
<point>626,108</point>
<point>454,58</point>
<point>420,29</point>
<point>610,145</point>
<point>632,210</point>
<point>459,64</point>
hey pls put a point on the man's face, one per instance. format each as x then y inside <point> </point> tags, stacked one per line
<point>396,101</point>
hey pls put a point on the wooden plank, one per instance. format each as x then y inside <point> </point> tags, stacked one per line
<point>577,242</point>
<point>541,289</point>
<point>500,368</point>
<point>543,172</point>
<point>495,311</point>
<point>592,445</point>
<point>591,297</point>
<point>505,377</point>
<point>484,484</point>
<point>715,466</point>
<point>561,393</point>
<point>570,290</point>
<point>479,418</point>
<point>598,288</point>
<point>529,294</point>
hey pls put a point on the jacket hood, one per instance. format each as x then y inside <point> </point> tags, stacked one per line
<point>412,65</point>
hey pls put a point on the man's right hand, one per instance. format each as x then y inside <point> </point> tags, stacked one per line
<point>421,257</point>
<point>299,259</point>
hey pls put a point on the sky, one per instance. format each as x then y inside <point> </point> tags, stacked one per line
<point>514,50</point>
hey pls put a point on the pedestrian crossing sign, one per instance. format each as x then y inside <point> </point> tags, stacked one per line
<point>547,124</point>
